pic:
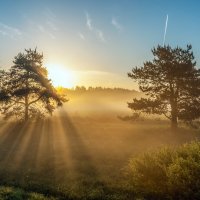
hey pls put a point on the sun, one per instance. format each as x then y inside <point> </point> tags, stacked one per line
<point>60,75</point>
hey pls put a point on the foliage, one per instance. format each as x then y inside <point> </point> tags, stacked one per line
<point>10,193</point>
<point>94,89</point>
<point>171,83</point>
<point>183,173</point>
<point>134,117</point>
<point>26,91</point>
<point>166,174</point>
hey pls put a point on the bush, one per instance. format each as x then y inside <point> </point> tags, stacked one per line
<point>10,193</point>
<point>166,174</point>
<point>184,172</point>
<point>134,117</point>
<point>7,193</point>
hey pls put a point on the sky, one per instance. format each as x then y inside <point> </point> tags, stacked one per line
<point>96,42</point>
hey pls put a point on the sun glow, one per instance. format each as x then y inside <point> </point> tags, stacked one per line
<point>60,75</point>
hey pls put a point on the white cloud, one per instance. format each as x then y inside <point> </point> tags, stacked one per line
<point>47,26</point>
<point>116,24</point>
<point>49,14</point>
<point>52,36</point>
<point>99,33</point>
<point>88,22</point>
<point>9,31</point>
<point>81,36</point>
<point>52,25</point>
<point>41,28</point>
<point>44,30</point>
<point>2,32</point>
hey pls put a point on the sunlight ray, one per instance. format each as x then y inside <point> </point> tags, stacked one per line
<point>14,138</point>
<point>23,145</point>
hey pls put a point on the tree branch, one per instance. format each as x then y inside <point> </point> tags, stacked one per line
<point>17,101</point>
<point>36,100</point>
<point>168,117</point>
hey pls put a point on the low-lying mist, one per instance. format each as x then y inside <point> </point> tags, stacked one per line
<point>82,148</point>
<point>99,103</point>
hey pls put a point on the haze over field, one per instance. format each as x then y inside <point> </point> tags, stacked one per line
<point>102,101</point>
<point>78,157</point>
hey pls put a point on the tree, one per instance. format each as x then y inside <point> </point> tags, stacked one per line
<point>26,91</point>
<point>3,94</point>
<point>171,83</point>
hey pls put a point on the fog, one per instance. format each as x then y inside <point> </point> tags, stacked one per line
<point>83,144</point>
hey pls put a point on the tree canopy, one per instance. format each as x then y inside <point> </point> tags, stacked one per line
<point>26,91</point>
<point>171,84</point>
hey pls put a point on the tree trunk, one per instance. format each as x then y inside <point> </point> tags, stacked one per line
<point>174,117</point>
<point>26,100</point>
<point>26,108</point>
<point>174,122</point>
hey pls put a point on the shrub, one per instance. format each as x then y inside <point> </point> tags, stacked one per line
<point>7,193</point>
<point>184,173</point>
<point>167,173</point>
<point>134,117</point>
<point>10,193</point>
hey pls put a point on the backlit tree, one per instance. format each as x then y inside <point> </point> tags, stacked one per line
<point>171,83</point>
<point>26,91</point>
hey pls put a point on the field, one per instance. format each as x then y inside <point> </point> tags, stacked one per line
<point>80,153</point>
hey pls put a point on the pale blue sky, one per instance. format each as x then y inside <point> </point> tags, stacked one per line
<point>99,40</point>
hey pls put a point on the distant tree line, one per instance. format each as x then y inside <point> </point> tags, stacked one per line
<point>95,89</point>
<point>25,90</point>
<point>171,83</point>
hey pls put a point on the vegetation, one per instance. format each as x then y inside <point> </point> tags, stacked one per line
<point>83,89</point>
<point>26,91</point>
<point>10,193</point>
<point>166,174</point>
<point>72,157</point>
<point>171,83</point>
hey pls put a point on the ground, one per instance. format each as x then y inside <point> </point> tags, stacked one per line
<point>78,157</point>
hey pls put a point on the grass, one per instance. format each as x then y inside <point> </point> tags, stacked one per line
<point>10,193</point>
<point>78,157</point>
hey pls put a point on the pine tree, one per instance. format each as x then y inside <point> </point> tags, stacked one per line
<point>171,83</point>
<point>26,90</point>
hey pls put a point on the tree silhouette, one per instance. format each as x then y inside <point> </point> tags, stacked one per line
<point>171,84</point>
<point>3,94</point>
<point>26,91</point>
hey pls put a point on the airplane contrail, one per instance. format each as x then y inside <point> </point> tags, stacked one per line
<point>166,23</point>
